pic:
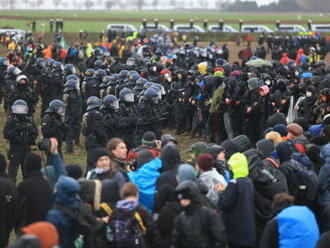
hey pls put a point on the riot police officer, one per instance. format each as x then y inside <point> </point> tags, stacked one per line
<point>73,102</point>
<point>90,86</point>
<point>10,80</point>
<point>127,113</point>
<point>148,117</point>
<point>56,81</point>
<point>52,124</point>
<point>93,128</point>
<point>25,92</point>
<point>110,115</point>
<point>21,133</point>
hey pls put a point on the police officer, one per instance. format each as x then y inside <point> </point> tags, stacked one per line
<point>73,102</point>
<point>52,125</point>
<point>93,128</point>
<point>21,133</point>
<point>90,86</point>
<point>127,113</point>
<point>25,92</point>
<point>110,115</point>
<point>148,117</point>
<point>10,80</point>
<point>56,81</point>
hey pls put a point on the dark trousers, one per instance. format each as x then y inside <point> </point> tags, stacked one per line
<point>16,159</point>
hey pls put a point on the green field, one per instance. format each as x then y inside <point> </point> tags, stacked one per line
<point>166,14</point>
<point>96,21</point>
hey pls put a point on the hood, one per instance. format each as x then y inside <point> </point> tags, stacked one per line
<point>284,151</point>
<point>265,146</point>
<point>202,68</point>
<point>66,192</point>
<point>188,190</point>
<point>186,172</point>
<point>127,205</point>
<point>239,165</point>
<point>90,192</point>
<point>110,191</point>
<point>325,153</point>
<point>300,51</point>
<point>230,148</point>
<point>170,157</point>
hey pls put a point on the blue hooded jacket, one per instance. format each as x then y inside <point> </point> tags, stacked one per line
<point>297,227</point>
<point>67,196</point>
<point>145,178</point>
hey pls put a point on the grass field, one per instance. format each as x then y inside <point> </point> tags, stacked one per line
<point>96,21</point>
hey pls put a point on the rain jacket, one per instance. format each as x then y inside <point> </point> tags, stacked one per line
<point>145,178</point>
<point>237,204</point>
<point>89,50</point>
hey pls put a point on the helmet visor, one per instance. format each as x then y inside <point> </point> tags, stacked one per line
<point>19,109</point>
<point>115,104</point>
<point>60,111</point>
<point>129,97</point>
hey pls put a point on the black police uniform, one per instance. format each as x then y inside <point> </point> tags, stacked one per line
<point>21,133</point>
<point>73,102</point>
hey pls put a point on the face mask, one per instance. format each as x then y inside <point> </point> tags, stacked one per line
<point>267,82</point>
<point>100,171</point>
<point>296,73</point>
<point>308,94</point>
<point>115,105</point>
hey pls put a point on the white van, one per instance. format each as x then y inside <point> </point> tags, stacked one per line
<point>188,29</point>
<point>152,28</point>
<point>287,28</point>
<point>321,27</point>
<point>122,27</point>
<point>256,29</point>
<point>225,29</point>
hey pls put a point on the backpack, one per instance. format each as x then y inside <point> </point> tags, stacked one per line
<point>83,227</point>
<point>305,185</point>
<point>125,229</point>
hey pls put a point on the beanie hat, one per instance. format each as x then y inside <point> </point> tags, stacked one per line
<point>266,146</point>
<point>98,153</point>
<point>3,163</point>
<point>274,136</point>
<point>143,157</point>
<point>45,232</point>
<point>242,142</point>
<point>295,129</point>
<point>205,161</point>
<point>281,129</point>
<point>230,147</point>
<point>74,171</point>
<point>198,148</point>
<point>148,138</point>
<point>32,162</point>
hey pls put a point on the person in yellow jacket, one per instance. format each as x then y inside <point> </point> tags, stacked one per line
<point>89,50</point>
<point>12,45</point>
<point>313,58</point>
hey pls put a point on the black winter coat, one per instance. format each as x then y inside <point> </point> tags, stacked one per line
<point>8,208</point>
<point>35,199</point>
<point>237,204</point>
<point>200,227</point>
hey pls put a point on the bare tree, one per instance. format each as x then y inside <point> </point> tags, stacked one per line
<point>12,4</point>
<point>89,4</point>
<point>155,3</point>
<point>109,4</point>
<point>57,3</point>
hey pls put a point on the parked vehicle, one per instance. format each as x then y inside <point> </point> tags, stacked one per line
<point>122,27</point>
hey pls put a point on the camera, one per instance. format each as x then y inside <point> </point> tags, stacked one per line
<point>44,145</point>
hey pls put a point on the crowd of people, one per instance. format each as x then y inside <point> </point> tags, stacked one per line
<point>258,177</point>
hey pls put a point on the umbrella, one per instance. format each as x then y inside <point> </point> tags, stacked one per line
<point>259,63</point>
